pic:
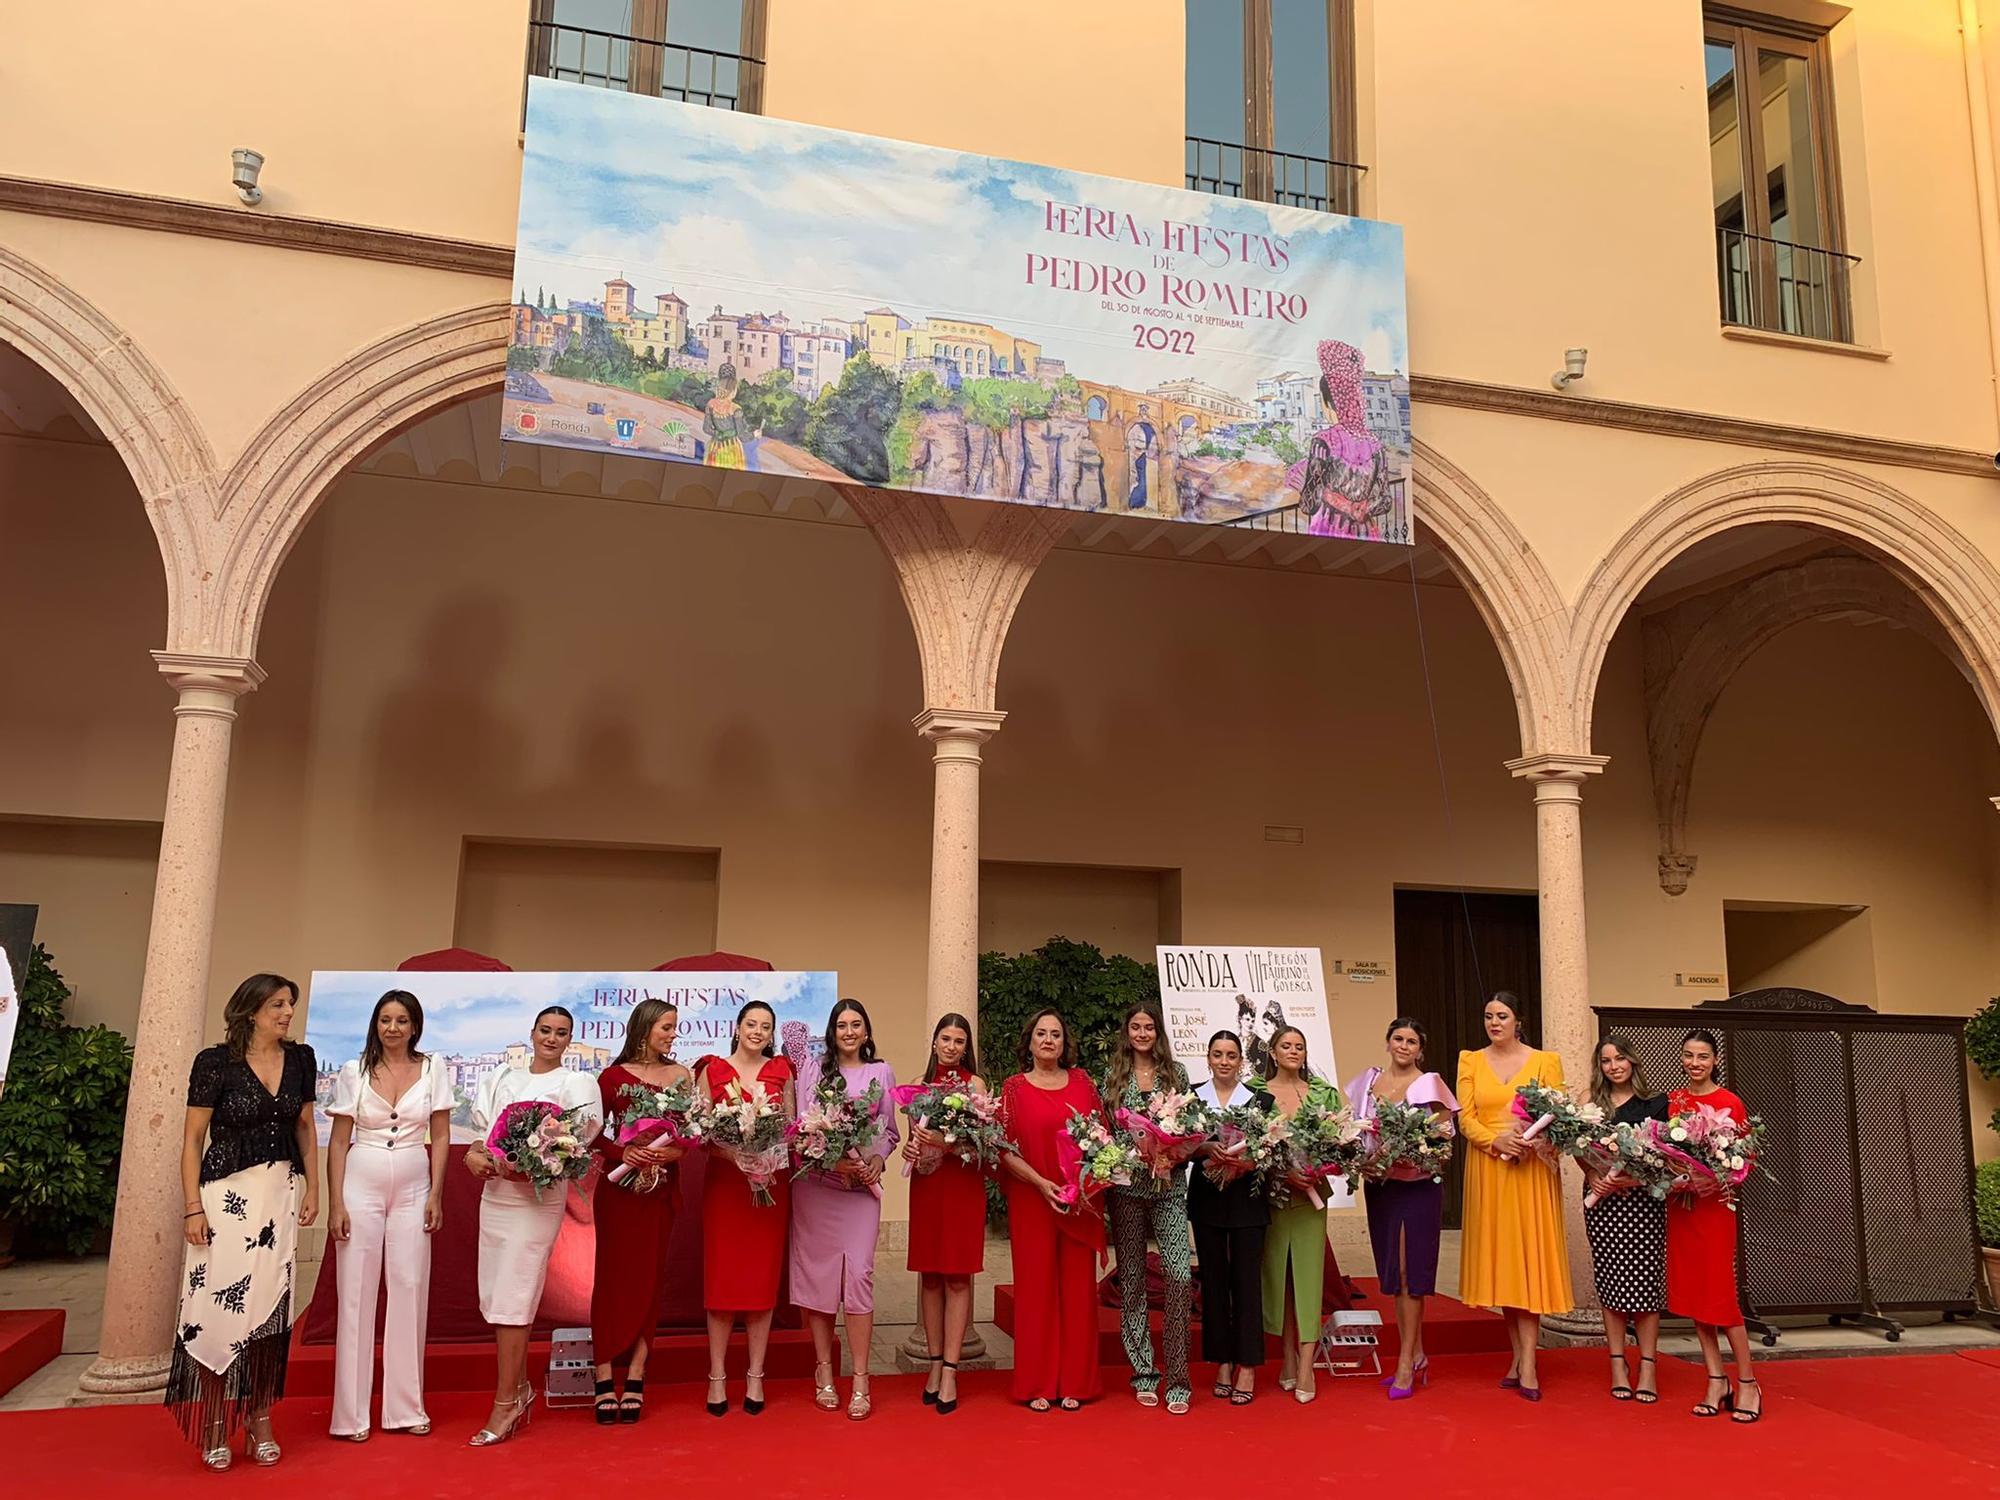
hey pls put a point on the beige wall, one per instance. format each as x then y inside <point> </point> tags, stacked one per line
<point>94,885</point>
<point>1022,906</point>
<point>569,906</point>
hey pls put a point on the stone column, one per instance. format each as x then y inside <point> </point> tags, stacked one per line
<point>1567,1026</point>
<point>140,1295</point>
<point>953,981</point>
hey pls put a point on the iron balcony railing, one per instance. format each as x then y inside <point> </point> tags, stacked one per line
<point>1230,170</point>
<point>639,65</point>
<point>1785,288</point>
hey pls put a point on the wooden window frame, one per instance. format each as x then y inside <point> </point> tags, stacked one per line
<point>1259,105</point>
<point>1795,28</point>
<point>649,32</point>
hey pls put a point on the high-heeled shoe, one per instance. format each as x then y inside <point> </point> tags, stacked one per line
<point>1737,1411</point>
<point>859,1404</point>
<point>1529,1392</point>
<point>717,1408</point>
<point>1621,1374</point>
<point>1709,1408</point>
<point>825,1397</point>
<point>215,1451</point>
<point>1640,1394</point>
<point>750,1407</point>
<point>606,1403</point>
<point>1303,1396</point>
<point>632,1405</point>
<point>519,1411</point>
<point>1224,1382</point>
<point>263,1451</point>
<point>946,1408</point>
<point>931,1391</point>
<point>1420,1373</point>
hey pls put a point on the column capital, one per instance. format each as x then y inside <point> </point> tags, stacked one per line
<point>230,675</point>
<point>975,724</point>
<point>1566,770</point>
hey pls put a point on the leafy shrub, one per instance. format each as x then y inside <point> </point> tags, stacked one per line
<point>1982,1045</point>
<point>62,1119</point>
<point>1986,1203</point>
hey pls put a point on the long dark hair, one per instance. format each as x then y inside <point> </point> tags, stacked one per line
<point>829,1062</point>
<point>639,1029</point>
<point>1600,1086</point>
<point>1068,1057</point>
<point>1715,1050</point>
<point>748,1006</point>
<point>969,1064</point>
<point>241,1011</point>
<point>1167,1073</point>
<point>371,1049</point>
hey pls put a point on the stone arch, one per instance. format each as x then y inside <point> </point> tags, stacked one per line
<point>1954,580</point>
<point>131,400</point>
<point>274,488</point>
<point>1509,587</point>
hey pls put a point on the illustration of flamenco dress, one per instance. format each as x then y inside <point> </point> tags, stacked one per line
<point>725,428</point>
<point>1343,481</point>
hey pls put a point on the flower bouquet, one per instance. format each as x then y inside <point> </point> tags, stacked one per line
<point>541,1142</point>
<point>835,1127</point>
<point>1411,1139</point>
<point>1094,1157</point>
<point>748,1126</point>
<point>652,1117</point>
<point>1623,1157</point>
<point>1712,1155</point>
<point>1169,1130</point>
<point>1322,1141</point>
<point>967,1123</point>
<point>1252,1137</point>
<point>1553,1112</point>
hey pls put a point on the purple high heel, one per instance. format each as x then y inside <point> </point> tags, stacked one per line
<point>1420,1371</point>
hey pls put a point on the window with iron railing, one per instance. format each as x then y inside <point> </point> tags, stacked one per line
<point>1781,264</point>
<point>1270,102</point>
<point>697,51</point>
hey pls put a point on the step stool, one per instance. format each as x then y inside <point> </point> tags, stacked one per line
<point>1350,1343</point>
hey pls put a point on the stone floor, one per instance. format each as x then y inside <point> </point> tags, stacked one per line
<point>78,1288</point>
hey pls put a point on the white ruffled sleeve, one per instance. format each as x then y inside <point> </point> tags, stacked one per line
<point>485,1103</point>
<point>442,1096</point>
<point>346,1090</point>
<point>580,1091</point>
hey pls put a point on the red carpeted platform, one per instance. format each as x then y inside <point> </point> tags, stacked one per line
<point>1829,1431</point>
<point>1450,1327</point>
<point>29,1338</point>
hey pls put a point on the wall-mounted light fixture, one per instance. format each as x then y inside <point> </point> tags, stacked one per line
<point>1572,370</point>
<point>244,165</point>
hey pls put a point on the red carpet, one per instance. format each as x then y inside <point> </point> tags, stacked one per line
<point>1836,1427</point>
<point>29,1338</point>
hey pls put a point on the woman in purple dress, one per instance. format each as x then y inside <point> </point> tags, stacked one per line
<point>835,1218</point>
<point>1405,1207</point>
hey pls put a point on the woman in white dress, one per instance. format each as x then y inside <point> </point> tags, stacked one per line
<point>387,1187</point>
<point>517,1229</point>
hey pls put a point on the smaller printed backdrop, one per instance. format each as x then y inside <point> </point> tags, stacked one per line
<point>1252,992</point>
<point>480,1022</point>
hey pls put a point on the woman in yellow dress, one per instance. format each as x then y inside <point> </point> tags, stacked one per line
<point>1513,1256</point>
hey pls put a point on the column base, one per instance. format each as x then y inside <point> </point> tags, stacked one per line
<point>1580,1328</point>
<point>124,1377</point>
<point>910,1357</point>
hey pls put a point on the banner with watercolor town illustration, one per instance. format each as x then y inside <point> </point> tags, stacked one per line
<point>754,294</point>
<point>477,1022</point>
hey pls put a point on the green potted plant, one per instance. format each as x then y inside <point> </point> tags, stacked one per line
<point>1986,1205</point>
<point>62,1122</point>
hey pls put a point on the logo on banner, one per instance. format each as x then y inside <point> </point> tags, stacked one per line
<point>527,421</point>
<point>627,428</point>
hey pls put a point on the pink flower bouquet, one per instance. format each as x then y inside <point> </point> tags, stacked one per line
<point>543,1143</point>
<point>833,1128</point>
<point>1551,1111</point>
<point>1322,1140</point>
<point>967,1123</point>
<point>1247,1136</point>
<point>1168,1131</point>
<point>1712,1155</point>
<point>1408,1141</point>
<point>653,1117</point>
<point>1094,1157</point>
<point>747,1125</point>
<point>1625,1158</point>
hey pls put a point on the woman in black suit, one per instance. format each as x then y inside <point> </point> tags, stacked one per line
<point>1228,1210</point>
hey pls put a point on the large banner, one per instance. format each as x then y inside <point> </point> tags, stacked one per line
<point>480,1022</point>
<point>1252,992</point>
<point>754,294</point>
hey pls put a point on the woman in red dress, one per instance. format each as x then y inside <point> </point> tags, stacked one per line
<point>634,1215</point>
<point>947,1221</point>
<point>742,1245</point>
<point>1055,1251</point>
<point>1701,1252</point>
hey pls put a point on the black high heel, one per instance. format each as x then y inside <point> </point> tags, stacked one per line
<point>751,1408</point>
<point>632,1403</point>
<point>945,1408</point>
<point>1737,1413</point>
<point>1642,1396</point>
<point>1622,1372</point>
<point>931,1396</point>
<point>719,1408</point>
<point>1716,1409</point>
<point>607,1405</point>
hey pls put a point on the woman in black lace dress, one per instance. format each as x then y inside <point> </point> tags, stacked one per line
<point>250,1181</point>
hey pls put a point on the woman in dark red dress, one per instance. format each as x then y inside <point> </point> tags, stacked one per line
<point>947,1220</point>
<point>742,1245</point>
<point>1701,1252</point>
<point>634,1215</point>
<point>1055,1252</point>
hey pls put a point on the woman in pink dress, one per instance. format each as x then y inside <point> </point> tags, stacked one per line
<point>835,1219</point>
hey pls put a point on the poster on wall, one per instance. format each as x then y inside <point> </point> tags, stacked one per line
<point>759,295</point>
<point>1252,992</point>
<point>479,1022</point>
